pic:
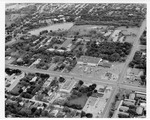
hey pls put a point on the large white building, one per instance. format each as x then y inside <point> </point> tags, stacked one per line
<point>67,86</point>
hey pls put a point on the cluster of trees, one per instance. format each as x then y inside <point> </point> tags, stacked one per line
<point>102,17</point>
<point>29,50</point>
<point>15,109</point>
<point>112,51</point>
<point>88,115</point>
<point>34,86</point>
<point>8,38</point>
<point>143,38</point>
<point>11,71</point>
<point>78,91</point>
<point>139,61</point>
<point>61,79</point>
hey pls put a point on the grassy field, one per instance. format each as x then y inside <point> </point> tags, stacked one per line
<point>55,27</point>
<point>11,18</point>
<point>79,101</point>
<point>83,29</point>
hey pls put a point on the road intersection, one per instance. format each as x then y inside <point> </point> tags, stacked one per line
<point>115,84</point>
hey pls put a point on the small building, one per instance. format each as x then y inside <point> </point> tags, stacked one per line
<point>19,60</point>
<point>143,105</point>
<point>123,113</point>
<point>34,79</point>
<point>51,49</point>
<point>55,112</point>
<point>139,110</point>
<point>143,96</point>
<point>124,108</point>
<point>105,64</point>
<point>128,103</point>
<point>91,61</point>
<point>132,96</point>
<point>60,50</point>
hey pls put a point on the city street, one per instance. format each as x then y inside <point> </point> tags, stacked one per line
<point>118,84</point>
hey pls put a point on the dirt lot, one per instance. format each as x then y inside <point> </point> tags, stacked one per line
<point>128,31</point>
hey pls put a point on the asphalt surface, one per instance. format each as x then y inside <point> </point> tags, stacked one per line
<point>115,84</point>
<point>119,83</point>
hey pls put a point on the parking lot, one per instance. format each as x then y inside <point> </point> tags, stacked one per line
<point>98,71</point>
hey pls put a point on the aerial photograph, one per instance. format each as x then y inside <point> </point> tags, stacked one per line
<point>75,60</point>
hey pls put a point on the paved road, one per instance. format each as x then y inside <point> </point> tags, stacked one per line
<point>116,84</point>
<point>123,73</point>
<point>66,75</point>
<point>133,50</point>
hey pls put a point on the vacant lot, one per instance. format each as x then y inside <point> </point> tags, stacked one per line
<point>9,19</point>
<point>79,101</point>
<point>83,29</point>
<point>55,27</point>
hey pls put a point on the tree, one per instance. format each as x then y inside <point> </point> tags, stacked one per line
<point>114,57</point>
<point>132,112</point>
<point>89,115</point>
<point>81,82</point>
<point>131,64</point>
<point>143,79</point>
<point>66,109</point>
<point>44,113</point>
<point>33,110</point>
<point>61,79</point>
<point>83,114</point>
<point>89,94</point>
<point>95,91</point>
<point>94,85</point>
<point>56,59</point>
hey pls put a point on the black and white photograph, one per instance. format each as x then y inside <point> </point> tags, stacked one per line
<point>75,60</point>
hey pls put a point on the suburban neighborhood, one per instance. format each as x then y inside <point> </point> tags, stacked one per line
<point>75,60</point>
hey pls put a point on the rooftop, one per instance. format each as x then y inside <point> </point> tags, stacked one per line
<point>88,59</point>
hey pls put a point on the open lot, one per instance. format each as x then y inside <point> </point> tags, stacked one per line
<point>55,27</point>
<point>129,33</point>
<point>11,18</point>
<point>79,101</point>
<point>84,29</point>
<point>97,71</point>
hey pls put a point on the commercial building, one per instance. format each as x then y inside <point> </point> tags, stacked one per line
<point>14,87</point>
<point>67,86</point>
<point>95,105</point>
<point>91,61</point>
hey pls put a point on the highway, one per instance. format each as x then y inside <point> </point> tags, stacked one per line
<point>116,84</point>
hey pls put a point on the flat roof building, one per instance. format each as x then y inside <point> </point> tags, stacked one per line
<point>68,85</point>
<point>91,61</point>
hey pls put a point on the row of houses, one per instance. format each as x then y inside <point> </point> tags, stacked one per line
<point>125,104</point>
